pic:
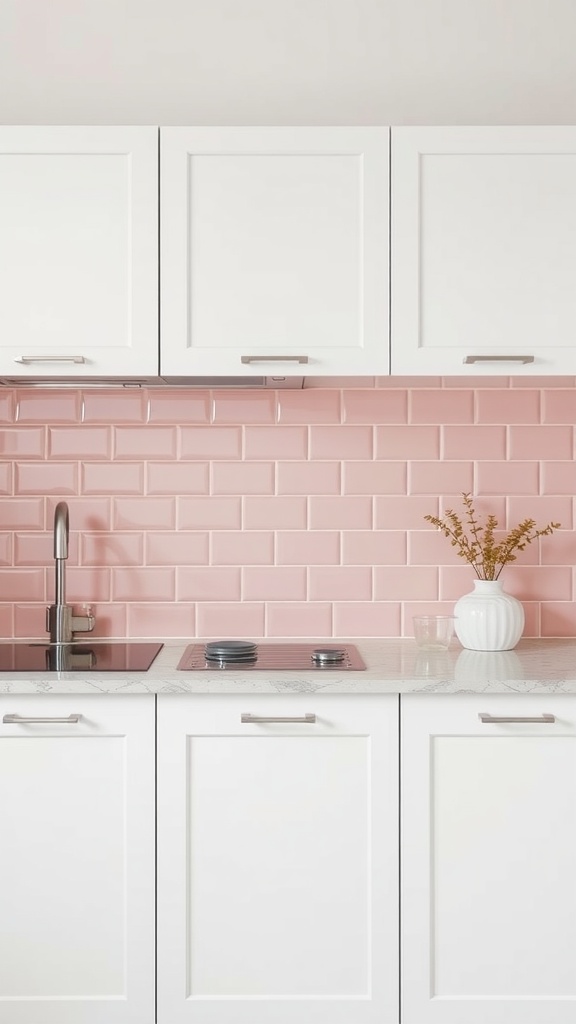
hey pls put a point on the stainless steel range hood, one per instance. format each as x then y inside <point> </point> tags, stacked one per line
<point>252,382</point>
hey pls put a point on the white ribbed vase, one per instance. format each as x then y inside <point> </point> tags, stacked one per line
<point>488,619</point>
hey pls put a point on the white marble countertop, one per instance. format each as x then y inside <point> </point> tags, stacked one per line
<point>393,666</point>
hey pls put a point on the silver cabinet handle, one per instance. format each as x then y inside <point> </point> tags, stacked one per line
<point>542,719</point>
<point>498,359</point>
<point>27,360</point>
<point>273,359</point>
<point>25,720</point>
<point>306,719</point>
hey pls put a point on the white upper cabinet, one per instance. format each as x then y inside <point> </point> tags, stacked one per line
<point>274,250</point>
<point>78,251</point>
<point>483,250</point>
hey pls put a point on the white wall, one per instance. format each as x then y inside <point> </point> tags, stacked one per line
<point>287,61</point>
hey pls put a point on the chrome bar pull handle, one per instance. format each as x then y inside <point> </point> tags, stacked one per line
<point>273,359</point>
<point>28,360</point>
<point>27,720</point>
<point>536,720</point>
<point>498,359</point>
<point>258,719</point>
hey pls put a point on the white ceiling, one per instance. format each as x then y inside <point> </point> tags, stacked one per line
<point>287,61</point>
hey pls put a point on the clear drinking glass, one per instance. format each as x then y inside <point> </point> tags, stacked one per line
<point>433,632</point>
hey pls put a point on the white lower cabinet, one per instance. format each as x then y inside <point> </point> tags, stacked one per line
<point>489,859</point>
<point>76,859</point>
<point>277,860</point>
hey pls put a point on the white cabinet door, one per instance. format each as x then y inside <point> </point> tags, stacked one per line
<point>274,249</point>
<point>77,860</point>
<point>277,860</point>
<point>483,250</point>
<point>78,251</point>
<point>489,847</point>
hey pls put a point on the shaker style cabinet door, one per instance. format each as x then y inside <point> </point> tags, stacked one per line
<point>489,846</point>
<point>277,860</point>
<point>274,251</point>
<point>78,251</point>
<point>483,250</point>
<point>77,859</point>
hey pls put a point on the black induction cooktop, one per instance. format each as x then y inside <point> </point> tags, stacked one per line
<point>36,656</point>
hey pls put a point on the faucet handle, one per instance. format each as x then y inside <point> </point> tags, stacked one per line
<point>83,623</point>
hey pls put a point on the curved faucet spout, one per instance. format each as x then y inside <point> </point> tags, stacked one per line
<point>60,619</point>
<point>61,530</point>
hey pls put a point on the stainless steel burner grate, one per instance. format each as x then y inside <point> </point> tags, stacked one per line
<point>217,655</point>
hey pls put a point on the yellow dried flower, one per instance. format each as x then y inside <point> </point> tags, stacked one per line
<point>479,546</point>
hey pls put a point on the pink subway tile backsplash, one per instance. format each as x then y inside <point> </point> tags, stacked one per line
<point>282,513</point>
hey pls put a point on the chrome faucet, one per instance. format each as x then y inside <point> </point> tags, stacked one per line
<point>61,623</point>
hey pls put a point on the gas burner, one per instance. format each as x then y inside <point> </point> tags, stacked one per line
<point>231,650</point>
<point>328,655</point>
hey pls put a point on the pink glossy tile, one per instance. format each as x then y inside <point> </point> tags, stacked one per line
<point>85,586</point>
<point>557,619</point>
<point>210,442</point>
<point>280,443</point>
<point>38,549</point>
<point>542,382</point>
<point>274,583</point>
<point>456,580</point>
<point>7,406</point>
<point>379,619</point>
<point>239,548</point>
<point>176,548</point>
<point>46,478</point>
<point>212,583</point>
<point>400,512</point>
<point>377,406</point>
<point>308,478</point>
<point>5,551</point>
<point>374,547</point>
<point>405,583</point>
<point>177,478</point>
<point>407,442</point>
<point>473,442</point>
<point>340,382</point>
<point>244,620</point>
<point>24,584</point>
<point>532,618</point>
<point>412,608</point>
<point>441,406</point>
<point>541,442</point>
<point>23,443</point>
<point>341,513</point>
<point>112,549</point>
<point>410,382</point>
<point>429,546</point>
<point>306,548</point>
<point>506,406</point>
<point>161,621</point>
<point>243,406</point>
<point>47,406</point>
<point>79,442</point>
<point>243,478</point>
<point>29,620</point>
<point>559,406</point>
<point>557,549</point>
<point>478,382</point>
<point>378,477</point>
<point>144,513</point>
<point>354,442</point>
<point>21,514</point>
<point>110,621</point>
<point>539,583</point>
<point>340,583</point>
<point>147,584</point>
<point>440,477</point>
<point>543,509</point>
<point>6,477</point>
<point>299,620</point>
<point>275,513</point>
<point>86,514</point>
<point>7,621</point>
<point>507,478</point>
<point>179,406</point>
<point>112,478</point>
<point>209,513</point>
<point>309,406</point>
<point>558,477</point>
<point>114,406</point>
<point>145,442</point>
